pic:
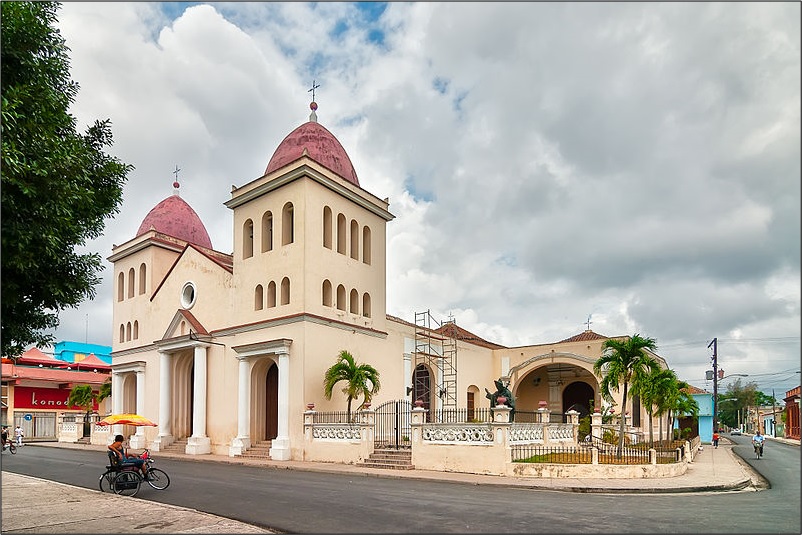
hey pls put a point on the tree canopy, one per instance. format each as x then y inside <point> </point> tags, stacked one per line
<point>622,363</point>
<point>360,379</point>
<point>58,186</point>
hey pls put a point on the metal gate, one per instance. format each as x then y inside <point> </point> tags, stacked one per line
<point>41,426</point>
<point>393,429</point>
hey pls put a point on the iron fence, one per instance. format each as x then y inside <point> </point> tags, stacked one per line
<point>533,453</point>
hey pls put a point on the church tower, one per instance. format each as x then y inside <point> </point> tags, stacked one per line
<point>308,240</point>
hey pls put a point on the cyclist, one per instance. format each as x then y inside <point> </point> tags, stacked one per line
<point>5,436</point>
<point>757,442</point>
<point>125,458</point>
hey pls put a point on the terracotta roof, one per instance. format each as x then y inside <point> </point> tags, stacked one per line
<point>91,362</point>
<point>695,390</point>
<point>586,336</point>
<point>174,217</point>
<point>55,375</point>
<point>452,330</point>
<point>313,140</point>
<point>34,356</point>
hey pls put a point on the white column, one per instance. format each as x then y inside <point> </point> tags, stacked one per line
<point>165,436</point>
<point>280,449</point>
<point>116,402</point>
<point>137,441</point>
<point>199,443</point>
<point>242,441</point>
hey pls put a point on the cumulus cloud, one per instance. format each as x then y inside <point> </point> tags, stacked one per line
<point>632,165</point>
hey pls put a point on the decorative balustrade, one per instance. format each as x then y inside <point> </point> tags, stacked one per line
<point>458,433</point>
<point>336,432</point>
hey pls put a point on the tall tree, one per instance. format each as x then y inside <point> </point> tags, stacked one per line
<point>680,402</point>
<point>360,379</point>
<point>58,186</point>
<point>85,396</point>
<point>620,363</point>
<point>652,389</point>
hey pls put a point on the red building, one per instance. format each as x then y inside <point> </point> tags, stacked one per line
<point>36,387</point>
<point>792,413</point>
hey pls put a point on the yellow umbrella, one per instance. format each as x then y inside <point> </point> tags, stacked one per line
<point>126,419</point>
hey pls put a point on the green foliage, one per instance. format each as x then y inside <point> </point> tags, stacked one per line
<point>621,363</point>
<point>58,186</point>
<point>737,397</point>
<point>84,396</point>
<point>360,379</point>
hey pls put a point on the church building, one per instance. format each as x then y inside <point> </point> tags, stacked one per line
<point>226,351</point>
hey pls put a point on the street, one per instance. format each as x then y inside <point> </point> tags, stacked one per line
<point>296,501</point>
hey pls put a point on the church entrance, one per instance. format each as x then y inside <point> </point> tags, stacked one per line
<point>578,396</point>
<point>264,400</point>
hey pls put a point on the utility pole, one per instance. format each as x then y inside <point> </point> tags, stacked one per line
<point>714,343</point>
<point>773,414</point>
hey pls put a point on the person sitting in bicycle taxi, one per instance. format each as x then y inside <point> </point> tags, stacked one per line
<point>125,457</point>
<point>758,441</point>
<point>4,436</point>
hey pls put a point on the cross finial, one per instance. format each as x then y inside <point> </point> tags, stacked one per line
<point>175,182</point>
<point>588,322</point>
<point>314,86</point>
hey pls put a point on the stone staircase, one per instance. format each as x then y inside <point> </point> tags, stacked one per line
<point>179,446</point>
<point>84,440</point>
<point>258,450</point>
<point>394,459</point>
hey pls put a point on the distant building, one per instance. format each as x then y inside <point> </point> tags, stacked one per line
<point>792,413</point>
<point>77,351</point>
<point>703,425</point>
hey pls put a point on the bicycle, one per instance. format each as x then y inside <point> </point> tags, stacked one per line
<point>10,446</point>
<point>127,485</point>
<point>758,449</point>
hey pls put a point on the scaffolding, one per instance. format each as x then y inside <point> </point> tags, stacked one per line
<point>436,347</point>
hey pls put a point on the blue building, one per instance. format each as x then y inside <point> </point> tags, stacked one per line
<point>703,425</point>
<point>78,351</point>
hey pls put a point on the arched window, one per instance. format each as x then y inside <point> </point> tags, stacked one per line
<point>136,330</point>
<point>271,294</point>
<point>128,331</point>
<point>131,281</point>
<point>247,239</point>
<point>267,232</point>
<point>121,287</point>
<point>143,277</point>
<point>327,227</point>
<point>258,298</point>
<point>340,233</point>
<point>353,302</point>
<point>285,291</point>
<point>354,239</point>
<point>287,224</point>
<point>366,305</point>
<point>326,293</point>
<point>122,333</point>
<point>340,297</point>
<point>366,252</point>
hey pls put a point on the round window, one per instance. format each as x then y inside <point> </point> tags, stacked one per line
<point>188,295</point>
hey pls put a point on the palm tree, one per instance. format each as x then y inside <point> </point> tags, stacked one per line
<point>653,389</point>
<point>681,402</point>
<point>85,397</point>
<point>621,363</point>
<point>361,380</point>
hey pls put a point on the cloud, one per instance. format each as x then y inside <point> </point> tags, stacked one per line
<point>546,162</point>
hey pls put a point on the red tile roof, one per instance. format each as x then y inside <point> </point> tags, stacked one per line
<point>586,336</point>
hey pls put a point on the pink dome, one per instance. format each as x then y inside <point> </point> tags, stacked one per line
<point>321,146</point>
<point>174,217</point>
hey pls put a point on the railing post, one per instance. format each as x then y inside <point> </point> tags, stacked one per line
<point>417,419</point>
<point>573,419</point>
<point>652,456</point>
<point>501,436</point>
<point>594,455</point>
<point>367,439</point>
<point>596,426</point>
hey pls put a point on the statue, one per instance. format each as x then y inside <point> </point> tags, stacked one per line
<point>501,390</point>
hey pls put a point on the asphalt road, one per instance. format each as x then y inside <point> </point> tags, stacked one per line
<point>296,501</point>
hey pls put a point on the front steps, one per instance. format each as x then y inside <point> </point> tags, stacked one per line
<point>179,446</point>
<point>258,450</point>
<point>394,459</point>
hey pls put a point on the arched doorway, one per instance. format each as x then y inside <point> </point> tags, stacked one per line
<point>578,396</point>
<point>421,385</point>
<point>183,395</point>
<point>264,400</point>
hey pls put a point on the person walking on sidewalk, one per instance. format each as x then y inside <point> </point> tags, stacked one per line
<point>715,439</point>
<point>19,434</point>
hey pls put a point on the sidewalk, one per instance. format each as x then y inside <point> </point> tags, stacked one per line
<point>32,505</point>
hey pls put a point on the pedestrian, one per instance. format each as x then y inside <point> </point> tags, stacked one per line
<point>19,434</point>
<point>715,439</point>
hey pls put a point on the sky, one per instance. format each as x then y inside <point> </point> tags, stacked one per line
<point>629,167</point>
